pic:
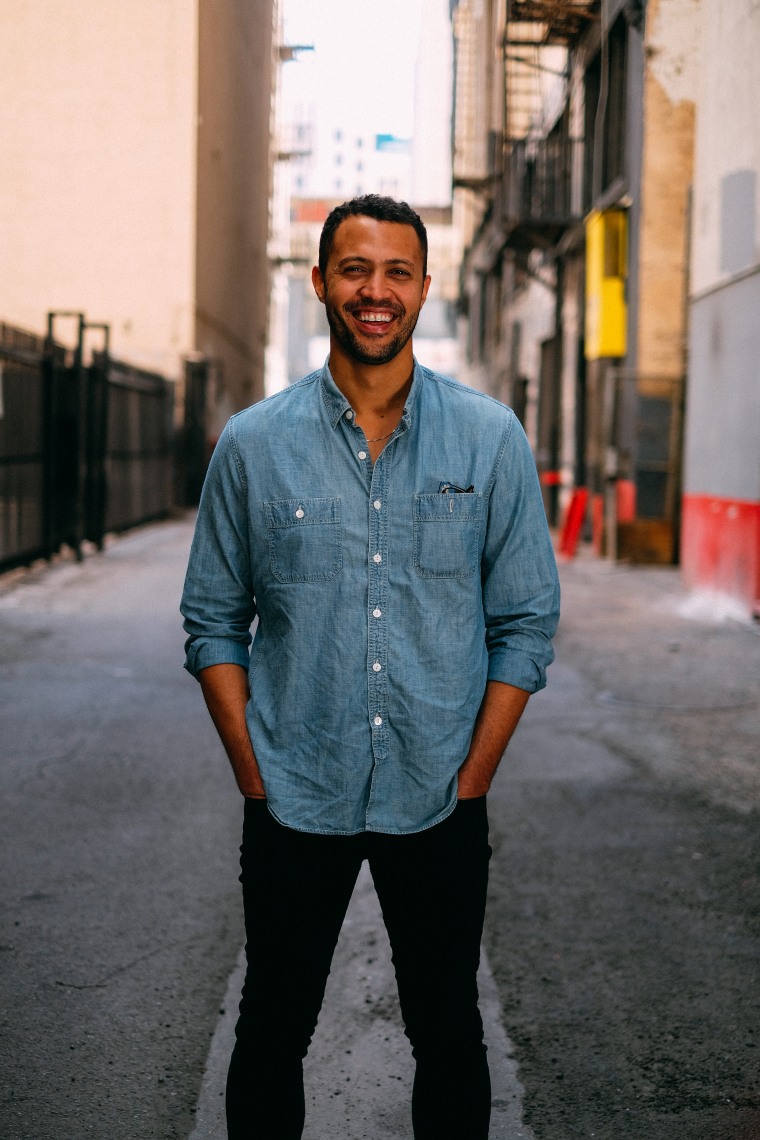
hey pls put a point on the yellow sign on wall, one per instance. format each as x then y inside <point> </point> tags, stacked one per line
<point>606,271</point>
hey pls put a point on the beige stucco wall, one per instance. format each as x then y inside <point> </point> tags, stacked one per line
<point>97,159</point>
<point>673,56</point>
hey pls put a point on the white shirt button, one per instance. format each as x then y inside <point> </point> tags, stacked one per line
<point>377,612</point>
<point>362,454</point>
<point>378,721</point>
<point>377,667</point>
<point>377,504</point>
<point>300,513</point>
<point>377,557</point>
<point>349,414</point>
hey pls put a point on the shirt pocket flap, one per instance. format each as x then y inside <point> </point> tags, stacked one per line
<point>301,512</point>
<point>442,508</point>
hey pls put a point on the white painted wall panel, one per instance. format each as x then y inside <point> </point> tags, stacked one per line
<point>726,213</point>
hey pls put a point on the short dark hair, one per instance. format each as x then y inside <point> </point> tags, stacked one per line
<point>375,206</point>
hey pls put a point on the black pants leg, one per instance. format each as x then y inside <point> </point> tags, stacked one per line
<point>296,890</point>
<point>432,890</point>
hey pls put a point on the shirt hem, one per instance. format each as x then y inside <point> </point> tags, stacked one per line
<point>365,830</point>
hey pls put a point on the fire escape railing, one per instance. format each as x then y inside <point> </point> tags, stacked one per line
<point>536,190</point>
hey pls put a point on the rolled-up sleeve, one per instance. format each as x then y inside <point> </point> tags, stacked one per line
<point>217,601</point>
<point>520,581</point>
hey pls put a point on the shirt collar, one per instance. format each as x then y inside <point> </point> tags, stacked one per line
<point>337,405</point>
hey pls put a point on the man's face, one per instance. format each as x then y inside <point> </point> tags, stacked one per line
<point>373,288</point>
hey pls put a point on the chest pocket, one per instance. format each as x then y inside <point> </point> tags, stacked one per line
<point>446,535</point>
<point>305,542</point>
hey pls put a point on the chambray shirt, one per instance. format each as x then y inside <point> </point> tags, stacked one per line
<point>383,605</point>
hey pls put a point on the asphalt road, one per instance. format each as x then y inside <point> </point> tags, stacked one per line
<point>625,919</point>
<point>120,922</point>
<point>624,926</point>
<point>119,836</point>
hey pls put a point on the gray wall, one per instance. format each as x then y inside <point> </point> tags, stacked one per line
<point>722,455</point>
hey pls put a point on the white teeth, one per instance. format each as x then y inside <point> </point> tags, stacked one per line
<point>375,318</point>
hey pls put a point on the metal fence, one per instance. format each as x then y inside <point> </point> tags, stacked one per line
<point>84,449</point>
<point>24,470</point>
<point>131,447</point>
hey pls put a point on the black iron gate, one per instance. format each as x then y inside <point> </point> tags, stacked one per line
<point>83,449</point>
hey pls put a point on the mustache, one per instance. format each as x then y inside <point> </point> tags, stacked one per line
<point>370,303</point>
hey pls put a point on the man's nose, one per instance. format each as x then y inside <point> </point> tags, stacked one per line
<point>373,285</point>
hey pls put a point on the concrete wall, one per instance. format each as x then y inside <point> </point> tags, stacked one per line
<point>97,188</point>
<point>136,175</point>
<point>235,87</point>
<point>723,440</point>
<point>721,510</point>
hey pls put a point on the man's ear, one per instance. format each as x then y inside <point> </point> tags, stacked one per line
<point>425,287</point>
<point>318,282</point>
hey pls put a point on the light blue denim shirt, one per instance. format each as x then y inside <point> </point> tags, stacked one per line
<point>383,604</point>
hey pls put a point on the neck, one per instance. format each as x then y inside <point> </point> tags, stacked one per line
<point>373,389</point>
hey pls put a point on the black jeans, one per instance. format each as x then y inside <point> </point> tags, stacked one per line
<point>296,890</point>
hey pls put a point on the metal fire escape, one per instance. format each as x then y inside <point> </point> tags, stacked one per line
<point>551,21</point>
<point>541,159</point>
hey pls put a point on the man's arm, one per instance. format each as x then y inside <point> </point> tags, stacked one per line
<point>225,691</point>
<point>497,719</point>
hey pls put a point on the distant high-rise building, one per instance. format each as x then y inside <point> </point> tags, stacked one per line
<point>332,159</point>
<point>334,162</point>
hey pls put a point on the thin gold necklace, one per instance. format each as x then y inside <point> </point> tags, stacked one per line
<point>379,437</point>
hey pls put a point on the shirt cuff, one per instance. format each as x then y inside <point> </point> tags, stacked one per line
<point>215,651</point>
<point>513,667</point>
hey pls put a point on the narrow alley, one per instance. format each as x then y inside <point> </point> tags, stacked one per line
<point>623,935</point>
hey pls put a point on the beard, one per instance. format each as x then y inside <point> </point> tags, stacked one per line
<point>364,351</point>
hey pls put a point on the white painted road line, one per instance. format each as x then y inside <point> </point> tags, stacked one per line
<point>358,1073</point>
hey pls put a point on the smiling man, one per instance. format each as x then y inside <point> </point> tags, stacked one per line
<point>385,525</point>
<point>374,299</point>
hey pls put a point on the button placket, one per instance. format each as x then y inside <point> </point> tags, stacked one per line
<point>377,624</point>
